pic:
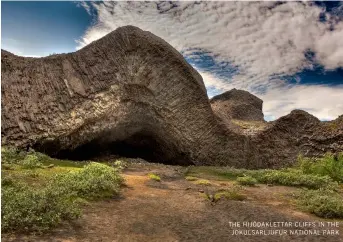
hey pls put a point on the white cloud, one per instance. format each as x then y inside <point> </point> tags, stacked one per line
<point>324,102</point>
<point>262,38</point>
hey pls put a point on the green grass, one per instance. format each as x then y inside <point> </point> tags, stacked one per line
<point>321,177</point>
<point>246,181</point>
<point>297,176</point>
<point>154,177</point>
<point>37,196</point>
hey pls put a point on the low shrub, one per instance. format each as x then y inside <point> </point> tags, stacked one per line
<point>293,178</point>
<point>154,177</point>
<point>203,182</point>
<point>11,155</point>
<point>27,209</point>
<point>329,165</point>
<point>246,181</point>
<point>191,178</point>
<point>95,180</point>
<point>232,194</point>
<point>120,165</point>
<point>323,203</point>
<point>31,161</point>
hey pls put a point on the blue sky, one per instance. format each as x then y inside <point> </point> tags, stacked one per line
<point>42,28</point>
<point>288,54</point>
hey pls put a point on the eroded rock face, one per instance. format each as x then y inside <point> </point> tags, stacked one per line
<point>297,133</point>
<point>132,94</point>
<point>237,104</point>
<point>130,88</point>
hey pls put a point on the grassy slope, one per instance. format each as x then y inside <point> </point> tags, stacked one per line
<point>39,192</point>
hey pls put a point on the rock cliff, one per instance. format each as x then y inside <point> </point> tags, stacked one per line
<point>130,93</point>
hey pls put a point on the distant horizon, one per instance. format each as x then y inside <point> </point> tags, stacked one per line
<point>288,54</point>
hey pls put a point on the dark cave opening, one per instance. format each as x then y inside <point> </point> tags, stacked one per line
<point>140,145</point>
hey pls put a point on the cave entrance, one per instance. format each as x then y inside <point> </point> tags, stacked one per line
<point>139,145</point>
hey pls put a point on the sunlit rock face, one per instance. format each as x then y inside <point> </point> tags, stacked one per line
<point>130,93</point>
<point>237,104</point>
<point>129,88</point>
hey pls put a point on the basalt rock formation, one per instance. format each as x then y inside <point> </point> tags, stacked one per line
<point>237,104</point>
<point>128,92</point>
<point>132,94</point>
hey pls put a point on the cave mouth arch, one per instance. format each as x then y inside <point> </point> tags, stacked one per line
<point>139,145</point>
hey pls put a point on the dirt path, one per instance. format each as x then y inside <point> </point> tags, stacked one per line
<point>175,210</point>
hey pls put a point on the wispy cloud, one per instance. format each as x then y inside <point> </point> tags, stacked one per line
<point>263,41</point>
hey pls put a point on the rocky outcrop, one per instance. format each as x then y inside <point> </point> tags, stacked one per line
<point>130,93</point>
<point>297,133</point>
<point>237,104</point>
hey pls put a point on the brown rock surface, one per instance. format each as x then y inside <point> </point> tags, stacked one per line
<point>295,133</point>
<point>237,104</point>
<point>129,91</point>
<point>132,94</point>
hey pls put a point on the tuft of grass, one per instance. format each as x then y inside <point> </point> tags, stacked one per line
<point>322,202</point>
<point>246,181</point>
<point>191,178</point>
<point>154,177</point>
<point>203,182</point>
<point>232,194</point>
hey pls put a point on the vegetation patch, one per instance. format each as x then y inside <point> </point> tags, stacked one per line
<point>233,194</point>
<point>203,182</point>
<point>322,202</point>
<point>191,178</point>
<point>330,165</point>
<point>246,181</point>
<point>95,180</point>
<point>37,197</point>
<point>321,177</point>
<point>28,209</point>
<point>154,177</point>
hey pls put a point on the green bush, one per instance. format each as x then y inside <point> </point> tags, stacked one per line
<point>246,181</point>
<point>11,155</point>
<point>329,165</point>
<point>27,209</point>
<point>323,203</point>
<point>38,208</point>
<point>31,161</point>
<point>95,180</point>
<point>154,177</point>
